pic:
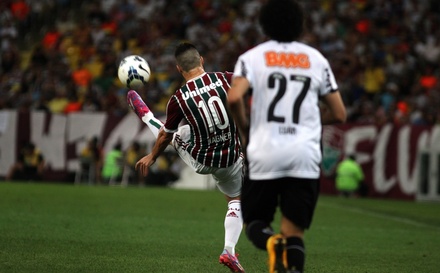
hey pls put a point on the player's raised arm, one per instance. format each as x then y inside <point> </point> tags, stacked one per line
<point>162,142</point>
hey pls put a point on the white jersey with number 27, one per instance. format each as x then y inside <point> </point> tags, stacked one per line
<point>287,80</point>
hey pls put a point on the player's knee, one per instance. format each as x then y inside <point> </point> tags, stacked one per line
<point>258,232</point>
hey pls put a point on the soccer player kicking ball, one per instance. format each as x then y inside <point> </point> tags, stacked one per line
<point>209,143</point>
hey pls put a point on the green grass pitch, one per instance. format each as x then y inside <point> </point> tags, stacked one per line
<point>64,228</point>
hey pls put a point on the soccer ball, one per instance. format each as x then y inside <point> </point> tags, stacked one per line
<point>134,71</point>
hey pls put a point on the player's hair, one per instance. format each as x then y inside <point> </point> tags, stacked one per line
<point>282,20</point>
<point>187,56</point>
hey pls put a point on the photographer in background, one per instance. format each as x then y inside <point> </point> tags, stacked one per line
<point>350,178</point>
<point>29,166</point>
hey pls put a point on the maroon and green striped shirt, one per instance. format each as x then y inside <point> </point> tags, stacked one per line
<point>202,102</point>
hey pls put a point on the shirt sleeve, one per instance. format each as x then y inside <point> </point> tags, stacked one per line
<point>174,116</point>
<point>228,76</point>
<point>328,84</point>
<point>360,173</point>
<point>242,69</point>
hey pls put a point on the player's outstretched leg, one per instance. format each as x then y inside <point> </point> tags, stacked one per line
<point>143,112</point>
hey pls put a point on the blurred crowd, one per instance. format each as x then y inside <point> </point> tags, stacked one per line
<point>62,56</point>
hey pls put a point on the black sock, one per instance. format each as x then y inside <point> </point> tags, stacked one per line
<point>258,233</point>
<point>295,254</point>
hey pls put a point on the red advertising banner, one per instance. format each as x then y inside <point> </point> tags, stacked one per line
<point>61,137</point>
<point>397,161</point>
<point>390,157</point>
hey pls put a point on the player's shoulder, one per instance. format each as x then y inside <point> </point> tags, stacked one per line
<point>178,95</point>
<point>217,73</point>
<point>258,48</point>
<point>309,50</point>
<point>224,76</point>
<point>294,46</point>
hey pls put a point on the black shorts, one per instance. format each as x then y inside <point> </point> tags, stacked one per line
<point>296,198</point>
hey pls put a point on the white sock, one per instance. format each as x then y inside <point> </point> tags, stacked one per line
<point>233,225</point>
<point>153,123</point>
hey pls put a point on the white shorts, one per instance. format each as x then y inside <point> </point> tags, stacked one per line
<point>228,180</point>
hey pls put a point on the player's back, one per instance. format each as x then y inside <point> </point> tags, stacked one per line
<point>214,140</point>
<point>285,131</point>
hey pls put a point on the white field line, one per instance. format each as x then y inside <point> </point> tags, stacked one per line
<point>381,215</point>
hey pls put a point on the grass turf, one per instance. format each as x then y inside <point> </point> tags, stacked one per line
<point>66,228</point>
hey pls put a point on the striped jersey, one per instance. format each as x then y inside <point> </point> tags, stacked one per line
<point>201,102</point>
<point>287,80</point>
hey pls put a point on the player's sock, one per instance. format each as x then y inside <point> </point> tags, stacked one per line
<point>295,254</point>
<point>233,225</point>
<point>153,123</point>
<point>258,233</point>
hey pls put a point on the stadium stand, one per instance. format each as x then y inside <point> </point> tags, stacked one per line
<point>385,54</point>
